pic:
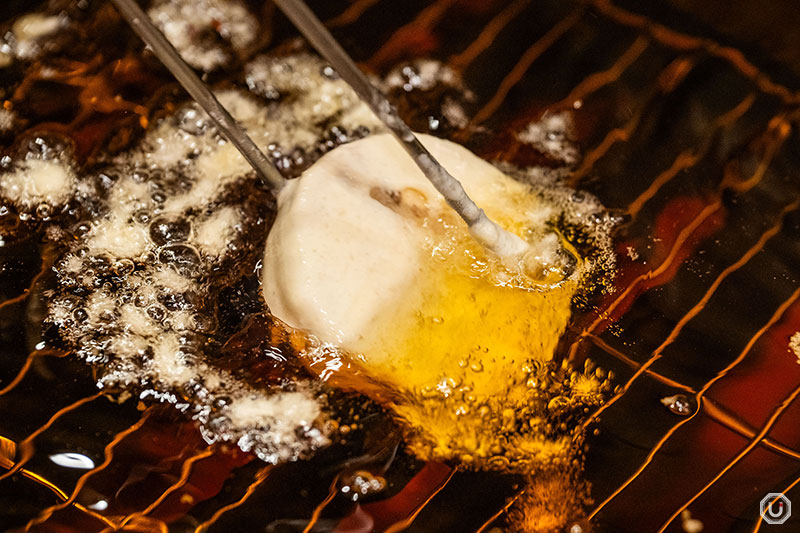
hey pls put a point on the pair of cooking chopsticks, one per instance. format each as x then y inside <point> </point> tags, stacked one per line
<point>487,232</point>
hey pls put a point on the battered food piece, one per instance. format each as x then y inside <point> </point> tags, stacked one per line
<point>366,256</point>
<point>154,233</point>
<point>363,226</point>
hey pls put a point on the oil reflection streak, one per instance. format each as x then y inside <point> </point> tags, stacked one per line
<point>746,450</point>
<point>603,345</point>
<point>425,20</point>
<point>716,412</point>
<point>186,472</point>
<point>27,366</point>
<point>47,263</point>
<point>598,80</point>
<point>403,524</point>
<point>108,457</point>
<point>461,61</point>
<point>669,80</point>
<point>500,512</point>
<point>685,234</point>
<point>691,156</point>
<point>351,14</point>
<point>789,487</point>
<point>332,492</point>
<point>26,446</point>
<point>525,62</point>
<point>694,311</point>
<point>681,41</point>
<point>742,186</point>
<point>699,398</point>
<point>258,479</point>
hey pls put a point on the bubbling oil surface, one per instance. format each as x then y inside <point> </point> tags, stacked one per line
<point>156,232</point>
<point>144,312</point>
<point>476,319</point>
<point>466,361</point>
<point>461,342</point>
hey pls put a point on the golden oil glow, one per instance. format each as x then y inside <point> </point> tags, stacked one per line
<point>465,361</point>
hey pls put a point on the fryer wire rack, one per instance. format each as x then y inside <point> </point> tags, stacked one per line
<point>688,138</point>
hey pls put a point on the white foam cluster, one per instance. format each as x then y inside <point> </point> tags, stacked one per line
<point>283,414</point>
<point>552,135</point>
<point>295,113</point>
<point>7,116</point>
<point>28,35</point>
<point>422,74</point>
<point>134,297</point>
<point>794,345</point>
<point>215,231</point>
<point>38,184</point>
<point>175,220</point>
<point>196,28</point>
<point>310,96</point>
<point>577,215</point>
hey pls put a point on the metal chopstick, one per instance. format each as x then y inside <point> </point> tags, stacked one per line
<point>483,229</point>
<point>198,90</point>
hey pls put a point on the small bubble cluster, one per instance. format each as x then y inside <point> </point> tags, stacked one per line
<point>539,429</point>
<point>422,74</point>
<point>154,235</point>
<point>580,219</point>
<point>312,110</point>
<point>553,135</point>
<point>209,34</point>
<point>553,500</point>
<point>161,230</point>
<point>29,35</point>
<point>680,404</point>
<point>433,96</point>
<point>360,484</point>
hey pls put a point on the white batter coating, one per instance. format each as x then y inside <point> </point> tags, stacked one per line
<point>341,252</point>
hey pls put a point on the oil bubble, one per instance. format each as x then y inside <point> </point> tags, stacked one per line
<point>360,484</point>
<point>165,231</point>
<point>182,257</point>
<point>44,211</point>
<point>680,404</point>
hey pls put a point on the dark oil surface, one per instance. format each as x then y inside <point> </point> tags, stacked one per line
<point>688,129</point>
